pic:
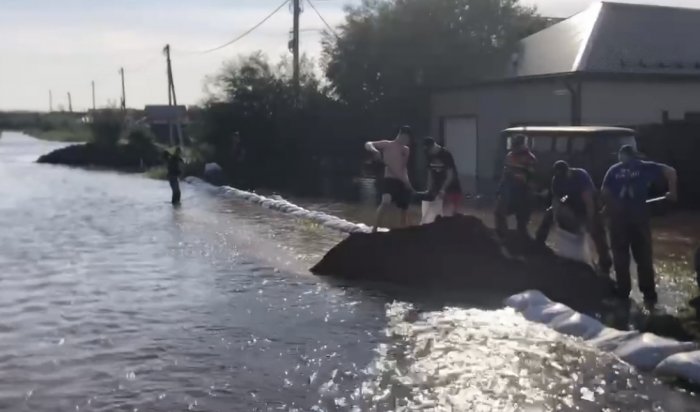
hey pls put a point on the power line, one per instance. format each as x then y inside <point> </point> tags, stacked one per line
<point>318,13</point>
<point>247,32</point>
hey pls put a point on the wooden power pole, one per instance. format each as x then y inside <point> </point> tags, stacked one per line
<point>70,104</point>
<point>50,101</point>
<point>121,72</point>
<point>295,44</point>
<point>93,96</point>
<point>172,98</point>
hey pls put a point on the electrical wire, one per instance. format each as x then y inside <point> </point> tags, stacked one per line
<point>247,32</point>
<point>318,13</point>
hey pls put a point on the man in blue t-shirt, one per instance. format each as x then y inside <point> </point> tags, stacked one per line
<point>574,202</point>
<point>625,191</point>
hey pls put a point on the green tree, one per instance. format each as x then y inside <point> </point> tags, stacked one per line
<point>389,55</point>
<point>254,124</point>
<point>107,126</point>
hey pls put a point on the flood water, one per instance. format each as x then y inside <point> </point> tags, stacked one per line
<point>110,299</point>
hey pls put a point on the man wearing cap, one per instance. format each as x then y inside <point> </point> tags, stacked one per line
<point>625,191</point>
<point>395,186</point>
<point>443,179</point>
<point>515,191</point>
<point>573,195</point>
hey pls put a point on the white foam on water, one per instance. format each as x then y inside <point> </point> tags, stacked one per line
<point>281,205</point>
<point>645,351</point>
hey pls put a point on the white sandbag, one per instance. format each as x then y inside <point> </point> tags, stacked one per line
<point>431,210</point>
<point>685,365</point>
<point>576,324</point>
<point>610,339</point>
<point>547,312</point>
<point>647,350</point>
<point>571,246</point>
<point>523,300</point>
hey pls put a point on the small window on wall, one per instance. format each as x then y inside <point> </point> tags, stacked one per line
<point>561,145</point>
<point>542,144</point>
<point>579,144</point>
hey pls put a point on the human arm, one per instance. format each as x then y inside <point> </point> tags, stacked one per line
<point>451,172</point>
<point>589,204</point>
<point>431,182</point>
<point>606,196</point>
<point>672,179</point>
<point>404,167</point>
<point>376,147</point>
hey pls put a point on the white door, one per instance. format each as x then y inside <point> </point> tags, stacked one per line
<point>460,134</point>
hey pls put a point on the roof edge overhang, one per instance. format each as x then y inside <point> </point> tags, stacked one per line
<point>576,76</point>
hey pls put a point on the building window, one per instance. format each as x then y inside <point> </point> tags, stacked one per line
<point>561,145</point>
<point>579,144</point>
<point>542,144</point>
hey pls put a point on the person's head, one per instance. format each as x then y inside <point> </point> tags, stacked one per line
<point>518,141</point>
<point>627,154</point>
<point>561,168</point>
<point>404,135</point>
<point>431,147</point>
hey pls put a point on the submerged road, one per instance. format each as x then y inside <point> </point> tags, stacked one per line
<point>110,299</point>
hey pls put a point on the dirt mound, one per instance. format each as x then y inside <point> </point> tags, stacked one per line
<point>461,252</point>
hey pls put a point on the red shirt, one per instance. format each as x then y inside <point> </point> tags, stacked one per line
<point>520,164</point>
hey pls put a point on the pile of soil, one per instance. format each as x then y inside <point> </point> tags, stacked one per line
<point>462,252</point>
<point>121,156</point>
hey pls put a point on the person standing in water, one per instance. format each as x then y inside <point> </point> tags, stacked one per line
<point>174,164</point>
<point>625,191</point>
<point>395,186</point>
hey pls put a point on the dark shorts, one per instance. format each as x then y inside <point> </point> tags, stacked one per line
<point>400,195</point>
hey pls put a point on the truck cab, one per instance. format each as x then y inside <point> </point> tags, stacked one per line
<point>593,148</point>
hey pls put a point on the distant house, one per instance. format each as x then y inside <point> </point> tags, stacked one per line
<point>163,121</point>
<point>612,64</point>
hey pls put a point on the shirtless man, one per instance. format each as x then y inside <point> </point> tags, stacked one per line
<point>395,187</point>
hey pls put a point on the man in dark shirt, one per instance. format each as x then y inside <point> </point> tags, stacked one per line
<point>174,164</point>
<point>443,178</point>
<point>625,191</point>
<point>573,196</point>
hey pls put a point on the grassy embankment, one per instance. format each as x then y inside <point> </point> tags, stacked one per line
<point>57,126</point>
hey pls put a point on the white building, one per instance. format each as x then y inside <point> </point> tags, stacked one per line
<point>613,64</point>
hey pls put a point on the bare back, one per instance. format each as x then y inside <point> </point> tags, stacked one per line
<point>395,157</point>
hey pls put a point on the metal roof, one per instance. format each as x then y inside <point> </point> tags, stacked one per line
<point>164,113</point>
<point>614,38</point>
<point>581,130</point>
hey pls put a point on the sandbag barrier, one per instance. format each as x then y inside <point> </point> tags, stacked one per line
<point>645,351</point>
<point>281,205</point>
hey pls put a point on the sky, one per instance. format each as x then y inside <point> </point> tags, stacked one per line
<point>64,45</point>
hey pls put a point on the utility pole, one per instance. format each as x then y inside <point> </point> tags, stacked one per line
<point>50,101</point>
<point>295,44</point>
<point>121,72</point>
<point>172,98</point>
<point>93,96</point>
<point>70,104</point>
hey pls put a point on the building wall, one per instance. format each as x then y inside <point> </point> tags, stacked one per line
<point>547,102</point>
<point>498,107</point>
<point>637,103</point>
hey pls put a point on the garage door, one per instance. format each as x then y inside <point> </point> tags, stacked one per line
<point>460,137</point>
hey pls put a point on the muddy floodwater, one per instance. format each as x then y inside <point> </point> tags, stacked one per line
<point>112,300</point>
